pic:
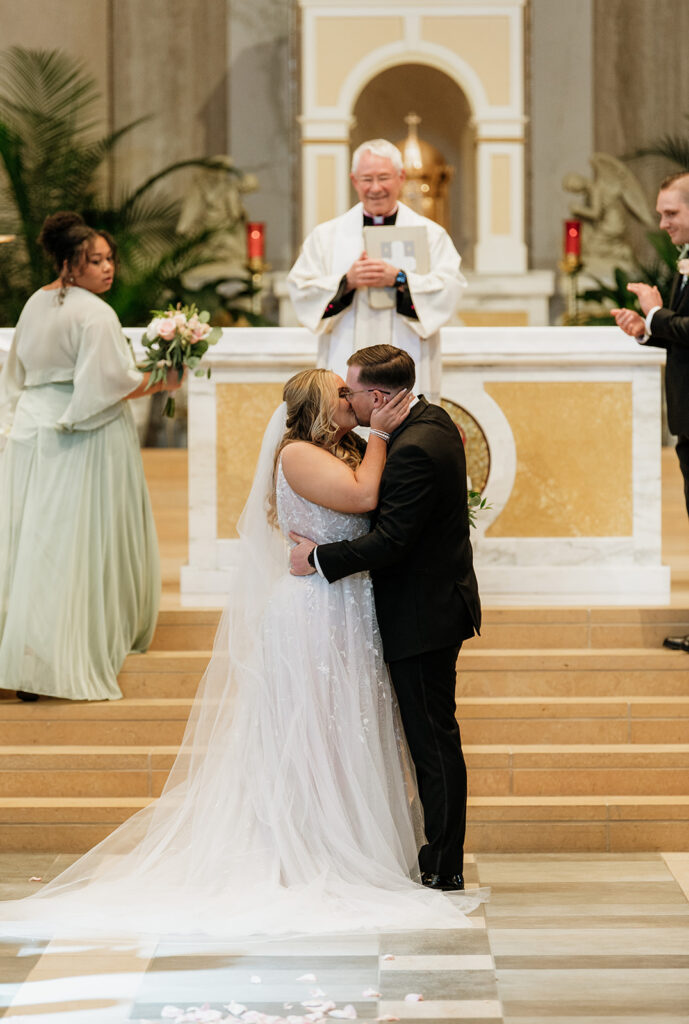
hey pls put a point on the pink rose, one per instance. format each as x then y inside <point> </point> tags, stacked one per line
<point>167,329</point>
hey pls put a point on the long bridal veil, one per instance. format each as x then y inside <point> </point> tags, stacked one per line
<point>223,850</point>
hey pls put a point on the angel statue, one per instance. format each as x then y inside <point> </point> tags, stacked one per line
<point>606,197</point>
<point>215,201</point>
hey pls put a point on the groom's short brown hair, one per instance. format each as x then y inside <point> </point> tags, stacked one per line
<point>386,365</point>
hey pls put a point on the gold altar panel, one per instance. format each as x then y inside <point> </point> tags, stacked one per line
<point>483,41</point>
<point>494,317</point>
<point>326,200</point>
<point>571,481</point>
<point>242,414</point>
<point>341,43</point>
<point>500,194</point>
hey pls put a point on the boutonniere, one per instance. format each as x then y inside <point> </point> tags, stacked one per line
<point>683,266</point>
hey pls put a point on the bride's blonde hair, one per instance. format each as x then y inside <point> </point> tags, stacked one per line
<point>311,398</point>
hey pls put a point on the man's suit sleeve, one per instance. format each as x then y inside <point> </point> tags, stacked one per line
<point>669,328</point>
<point>409,483</point>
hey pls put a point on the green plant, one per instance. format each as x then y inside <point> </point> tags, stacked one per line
<point>52,158</point>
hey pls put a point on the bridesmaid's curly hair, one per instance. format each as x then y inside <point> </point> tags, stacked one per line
<point>311,398</point>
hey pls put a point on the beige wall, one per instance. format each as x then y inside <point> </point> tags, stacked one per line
<point>78,26</point>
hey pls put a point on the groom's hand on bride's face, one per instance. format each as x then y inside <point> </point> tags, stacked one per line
<point>299,565</point>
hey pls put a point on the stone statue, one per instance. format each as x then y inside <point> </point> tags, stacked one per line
<point>607,198</point>
<point>214,201</point>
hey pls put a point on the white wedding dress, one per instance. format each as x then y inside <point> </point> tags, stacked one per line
<point>290,806</point>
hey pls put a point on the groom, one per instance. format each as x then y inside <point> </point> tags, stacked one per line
<point>420,559</point>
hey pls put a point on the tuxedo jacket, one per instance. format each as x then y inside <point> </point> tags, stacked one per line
<point>670,330</point>
<point>418,551</point>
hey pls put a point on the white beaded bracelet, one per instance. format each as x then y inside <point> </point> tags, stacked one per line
<point>380,433</point>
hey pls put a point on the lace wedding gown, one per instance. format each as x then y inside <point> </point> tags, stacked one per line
<point>289,806</point>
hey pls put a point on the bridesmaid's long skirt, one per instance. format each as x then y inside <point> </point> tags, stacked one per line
<point>79,565</point>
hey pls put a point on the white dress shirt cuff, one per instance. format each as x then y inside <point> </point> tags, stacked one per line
<point>649,318</point>
<point>316,563</point>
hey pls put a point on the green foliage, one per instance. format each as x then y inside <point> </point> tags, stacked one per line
<point>659,273</point>
<point>51,158</point>
<point>476,504</point>
<point>672,147</point>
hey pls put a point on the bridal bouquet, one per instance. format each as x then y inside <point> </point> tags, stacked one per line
<point>176,338</point>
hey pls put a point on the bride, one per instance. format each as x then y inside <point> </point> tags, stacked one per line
<point>292,805</point>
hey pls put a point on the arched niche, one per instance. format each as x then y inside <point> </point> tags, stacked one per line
<point>478,51</point>
<point>446,123</point>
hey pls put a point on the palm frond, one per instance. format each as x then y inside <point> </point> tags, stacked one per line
<point>50,157</point>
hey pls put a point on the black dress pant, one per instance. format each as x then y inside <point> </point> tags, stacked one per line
<point>682,449</point>
<point>425,688</point>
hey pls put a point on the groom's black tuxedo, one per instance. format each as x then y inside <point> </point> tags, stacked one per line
<point>418,551</point>
<point>670,330</point>
<point>420,559</point>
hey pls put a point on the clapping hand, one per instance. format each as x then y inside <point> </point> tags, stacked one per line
<point>648,296</point>
<point>630,322</point>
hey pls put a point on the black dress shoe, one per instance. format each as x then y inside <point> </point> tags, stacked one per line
<point>28,697</point>
<point>446,883</point>
<point>677,643</point>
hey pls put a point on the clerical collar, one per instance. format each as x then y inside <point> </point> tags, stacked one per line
<point>376,221</point>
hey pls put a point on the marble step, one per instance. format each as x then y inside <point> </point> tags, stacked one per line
<point>494,770</point>
<point>573,673</point>
<point>496,824</point>
<point>510,672</point>
<point>194,629</point>
<point>484,720</point>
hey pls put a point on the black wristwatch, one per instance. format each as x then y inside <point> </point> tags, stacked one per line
<point>401,279</point>
<point>311,558</point>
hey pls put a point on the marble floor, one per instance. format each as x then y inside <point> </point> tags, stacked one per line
<point>565,939</point>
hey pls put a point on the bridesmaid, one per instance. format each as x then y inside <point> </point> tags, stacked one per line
<point>79,565</point>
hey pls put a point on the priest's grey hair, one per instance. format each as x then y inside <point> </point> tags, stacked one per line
<point>379,147</point>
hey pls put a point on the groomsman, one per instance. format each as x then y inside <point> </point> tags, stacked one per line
<point>668,327</point>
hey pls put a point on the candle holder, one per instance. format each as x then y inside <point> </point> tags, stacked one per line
<point>570,266</point>
<point>255,249</point>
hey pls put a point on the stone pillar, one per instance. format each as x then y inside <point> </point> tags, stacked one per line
<point>500,169</point>
<point>325,171</point>
<point>169,60</point>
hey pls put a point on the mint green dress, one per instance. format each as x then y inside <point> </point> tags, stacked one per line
<point>79,564</point>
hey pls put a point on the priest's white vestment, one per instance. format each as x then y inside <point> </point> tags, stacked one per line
<point>329,252</point>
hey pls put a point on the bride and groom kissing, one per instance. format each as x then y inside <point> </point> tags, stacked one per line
<point>292,806</point>
<point>426,597</point>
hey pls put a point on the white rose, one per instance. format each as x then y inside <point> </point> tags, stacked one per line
<point>153,329</point>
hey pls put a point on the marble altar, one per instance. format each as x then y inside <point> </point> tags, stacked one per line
<point>570,423</point>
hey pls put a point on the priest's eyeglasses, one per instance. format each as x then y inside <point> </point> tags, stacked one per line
<point>347,393</point>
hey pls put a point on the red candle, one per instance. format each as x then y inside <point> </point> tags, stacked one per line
<point>573,237</point>
<point>255,240</point>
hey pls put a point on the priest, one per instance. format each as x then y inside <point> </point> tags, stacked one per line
<point>333,281</point>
